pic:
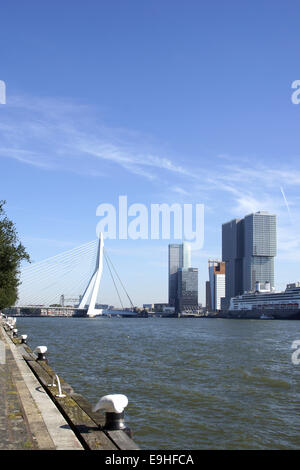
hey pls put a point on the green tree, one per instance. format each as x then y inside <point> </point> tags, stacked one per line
<point>12,252</point>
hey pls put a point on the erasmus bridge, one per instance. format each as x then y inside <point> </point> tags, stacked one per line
<point>73,276</point>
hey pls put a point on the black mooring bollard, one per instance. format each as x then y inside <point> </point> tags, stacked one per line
<point>41,351</point>
<point>23,339</point>
<point>113,406</point>
<point>41,357</point>
<point>116,422</point>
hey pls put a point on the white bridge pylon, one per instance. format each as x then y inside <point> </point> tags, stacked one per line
<point>93,286</point>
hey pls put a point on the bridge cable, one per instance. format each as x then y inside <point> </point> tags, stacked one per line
<point>120,280</point>
<point>42,276</point>
<point>113,281</point>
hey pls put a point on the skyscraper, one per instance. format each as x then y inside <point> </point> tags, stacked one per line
<point>186,255</point>
<point>259,249</point>
<point>232,254</point>
<point>187,291</point>
<point>207,296</point>
<point>248,249</point>
<point>179,257</point>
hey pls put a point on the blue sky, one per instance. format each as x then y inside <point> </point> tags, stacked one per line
<point>162,101</point>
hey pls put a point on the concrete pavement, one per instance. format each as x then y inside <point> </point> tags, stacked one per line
<point>28,417</point>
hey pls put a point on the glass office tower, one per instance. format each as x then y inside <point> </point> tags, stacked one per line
<point>179,257</point>
<point>187,292</point>
<point>259,249</point>
<point>232,254</point>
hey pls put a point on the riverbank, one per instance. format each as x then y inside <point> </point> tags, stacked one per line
<point>33,415</point>
<point>29,419</point>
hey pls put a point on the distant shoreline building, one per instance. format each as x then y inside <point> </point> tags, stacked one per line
<point>148,307</point>
<point>232,255</point>
<point>207,296</point>
<point>187,290</point>
<point>179,257</point>
<point>216,270</point>
<point>183,279</point>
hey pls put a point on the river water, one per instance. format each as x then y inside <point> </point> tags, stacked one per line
<point>191,383</point>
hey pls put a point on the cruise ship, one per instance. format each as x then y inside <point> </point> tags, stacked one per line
<point>267,303</point>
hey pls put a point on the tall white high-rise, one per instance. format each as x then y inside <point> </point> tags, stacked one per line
<point>186,255</point>
<point>216,270</point>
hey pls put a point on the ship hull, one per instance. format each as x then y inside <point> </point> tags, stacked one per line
<point>259,314</point>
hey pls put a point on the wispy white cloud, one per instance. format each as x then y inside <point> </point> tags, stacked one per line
<point>286,203</point>
<point>179,190</point>
<point>54,134</point>
<point>26,156</point>
<point>62,135</point>
<point>59,135</point>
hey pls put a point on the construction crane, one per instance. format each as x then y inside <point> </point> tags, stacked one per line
<point>63,299</point>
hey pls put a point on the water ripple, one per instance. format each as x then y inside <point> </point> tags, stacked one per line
<point>191,384</point>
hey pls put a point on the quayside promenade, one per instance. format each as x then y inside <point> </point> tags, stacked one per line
<point>32,414</point>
